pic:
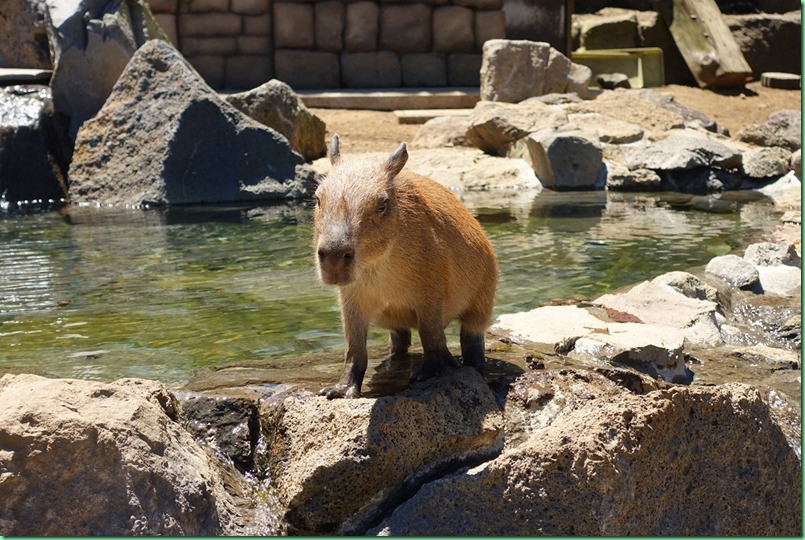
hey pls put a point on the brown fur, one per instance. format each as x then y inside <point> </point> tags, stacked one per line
<point>404,253</point>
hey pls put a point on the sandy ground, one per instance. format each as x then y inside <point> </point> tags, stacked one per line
<point>375,131</point>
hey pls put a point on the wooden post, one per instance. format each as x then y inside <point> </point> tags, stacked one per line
<point>705,41</point>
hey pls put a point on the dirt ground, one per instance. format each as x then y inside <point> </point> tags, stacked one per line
<point>377,131</point>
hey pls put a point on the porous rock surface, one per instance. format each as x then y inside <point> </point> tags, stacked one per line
<point>165,137</point>
<point>82,458</point>
<point>671,461</point>
<point>335,463</point>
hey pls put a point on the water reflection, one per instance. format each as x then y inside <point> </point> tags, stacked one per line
<point>106,293</point>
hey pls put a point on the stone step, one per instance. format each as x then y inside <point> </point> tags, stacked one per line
<point>390,99</point>
<point>420,116</point>
<point>10,76</point>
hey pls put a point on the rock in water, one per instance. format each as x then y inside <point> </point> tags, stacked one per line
<point>83,458</point>
<point>31,165</point>
<point>92,41</point>
<point>165,137</point>
<point>275,105</point>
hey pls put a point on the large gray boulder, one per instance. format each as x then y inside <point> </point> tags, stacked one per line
<point>165,137</point>
<point>83,458</point>
<point>277,106</point>
<point>24,43</point>
<point>592,461</point>
<point>337,465</point>
<point>493,127</point>
<point>680,151</point>
<point>92,41</point>
<point>781,128</point>
<point>32,166</point>
<point>514,70</point>
<point>563,161</point>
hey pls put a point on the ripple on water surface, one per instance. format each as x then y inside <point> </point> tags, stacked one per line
<point>102,294</point>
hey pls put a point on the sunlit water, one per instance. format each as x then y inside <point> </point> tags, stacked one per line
<point>103,294</point>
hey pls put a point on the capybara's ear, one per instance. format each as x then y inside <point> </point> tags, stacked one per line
<point>397,161</point>
<point>335,153</point>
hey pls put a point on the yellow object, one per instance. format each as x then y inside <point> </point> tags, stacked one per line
<point>644,66</point>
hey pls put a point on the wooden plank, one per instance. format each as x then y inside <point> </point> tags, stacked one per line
<point>705,41</point>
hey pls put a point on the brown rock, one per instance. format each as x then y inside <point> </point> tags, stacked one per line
<point>307,69</point>
<point>379,69</point>
<point>425,69</point>
<point>293,26</point>
<point>329,26</point>
<point>405,28</point>
<point>361,27</point>
<point>453,30</point>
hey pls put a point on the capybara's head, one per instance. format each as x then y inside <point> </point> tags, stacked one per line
<point>356,215</point>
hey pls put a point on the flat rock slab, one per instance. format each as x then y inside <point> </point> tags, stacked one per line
<point>420,116</point>
<point>550,325</point>
<point>660,304</point>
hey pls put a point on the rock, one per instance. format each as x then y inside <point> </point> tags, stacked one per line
<point>443,131</point>
<point>766,162</point>
<point>690,116</point>
<point>513,70</point>
<point>495,126</point>
<point>83,458</point>
<point>25,44</point>
<point>92,41</point>
<point>563,161</point>
<point>700,180</point>
<point>165,137</point>
<point>677,461</point>
<point>649,348</point>
<point>32,166</point>
<point>771,254</point>
<point>376,450</point>
<point>681,152</point>
<point>227,423</point>
<point>610,81</point>
<point>689,285</point>
<point>610,31</point>
<point>764,39</point>
<point>774,357</point>
<point>464,170</point>
<point>621,178</point>
<point>781,128</point>
<point>784,280</point>
<point>734,270</point>
<point>796,163</point>
<point>275,105</point>
<point>630,106</point>
<point>605,128</point>
<point>551,325</point>
<point>653,303</point>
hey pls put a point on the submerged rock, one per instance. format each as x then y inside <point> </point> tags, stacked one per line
<point>165,137</point>
<point>82,458</point>
<point>563,161</point>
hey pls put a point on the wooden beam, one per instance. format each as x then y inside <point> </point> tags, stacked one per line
<point>706,42</point>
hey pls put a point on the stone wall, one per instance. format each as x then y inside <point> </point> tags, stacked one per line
<point>238,44</point>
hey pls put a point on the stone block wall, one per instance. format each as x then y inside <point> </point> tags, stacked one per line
<point>239,44</point>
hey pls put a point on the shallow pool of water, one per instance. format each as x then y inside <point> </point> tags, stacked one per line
<point>103,293</point>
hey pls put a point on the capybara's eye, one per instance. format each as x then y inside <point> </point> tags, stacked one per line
<point>382,204</point>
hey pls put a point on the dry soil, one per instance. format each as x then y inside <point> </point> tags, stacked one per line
<point>377,131</point>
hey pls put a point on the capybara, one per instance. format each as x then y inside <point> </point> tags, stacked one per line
<point>404,253</point>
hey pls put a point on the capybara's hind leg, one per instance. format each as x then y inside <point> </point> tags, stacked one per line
<point>472,349</point>
<point>400,340</point>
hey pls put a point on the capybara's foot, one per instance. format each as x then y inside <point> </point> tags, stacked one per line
<point>340,391</point>
<point>435,365</point>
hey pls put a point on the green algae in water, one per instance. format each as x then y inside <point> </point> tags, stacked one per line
<point>104,294</point>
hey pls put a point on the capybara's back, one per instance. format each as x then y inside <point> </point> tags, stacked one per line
<point>404,253</point>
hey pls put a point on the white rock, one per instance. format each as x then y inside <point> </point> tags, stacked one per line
<point>549,324</point>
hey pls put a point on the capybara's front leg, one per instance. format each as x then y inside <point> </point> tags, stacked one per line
<point>400,340</point>
<point>472,349</point>
<point>438,359</point>
<point>356,329</point>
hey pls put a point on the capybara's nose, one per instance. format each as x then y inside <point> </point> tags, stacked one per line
<point>338,254</point>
